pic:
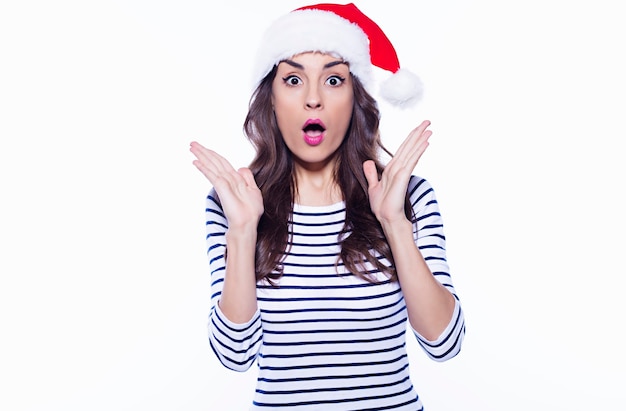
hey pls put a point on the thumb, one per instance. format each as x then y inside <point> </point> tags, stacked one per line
<point>369,169</point>
<point>248,177</point>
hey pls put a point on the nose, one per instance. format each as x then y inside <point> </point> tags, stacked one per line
<point>313,98</point>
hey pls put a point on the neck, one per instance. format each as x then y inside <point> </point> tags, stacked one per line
<point>317,188</point>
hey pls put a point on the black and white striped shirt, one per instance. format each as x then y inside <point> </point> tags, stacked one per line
<point>325,339</point>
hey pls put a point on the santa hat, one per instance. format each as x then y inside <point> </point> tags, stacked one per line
<point>344,31</point>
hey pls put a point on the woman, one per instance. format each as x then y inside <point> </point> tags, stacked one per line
<point>318,252</point>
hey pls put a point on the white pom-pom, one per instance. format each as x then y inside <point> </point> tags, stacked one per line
<point>403,89</point>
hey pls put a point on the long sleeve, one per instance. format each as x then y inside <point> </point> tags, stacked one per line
<point>430,239</point>
<point>235,345</point>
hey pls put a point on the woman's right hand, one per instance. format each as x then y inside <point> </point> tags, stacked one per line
<point>239,194</point>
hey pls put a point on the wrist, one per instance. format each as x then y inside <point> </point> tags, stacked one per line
<point>242,234</point>
<point>399,227</point>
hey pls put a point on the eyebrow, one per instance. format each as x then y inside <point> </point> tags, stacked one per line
<point>326,66</point>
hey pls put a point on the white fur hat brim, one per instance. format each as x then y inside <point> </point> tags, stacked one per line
<point>314,30</point>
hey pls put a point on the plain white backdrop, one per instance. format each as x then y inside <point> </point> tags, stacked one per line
<point>104,284</point>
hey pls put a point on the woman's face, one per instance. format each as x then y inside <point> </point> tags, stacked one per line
<point>312,97</point>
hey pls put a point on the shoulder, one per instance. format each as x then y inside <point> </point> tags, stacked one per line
<point>214,206</point>
<point>421,193</point>
<point>419,186</point>
<point>212,200</point>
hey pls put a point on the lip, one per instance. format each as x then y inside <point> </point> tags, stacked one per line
<point>313,137</point>
<point>314,121</point>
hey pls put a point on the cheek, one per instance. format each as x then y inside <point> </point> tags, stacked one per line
<point>345,115</point>
<point>284,120</point>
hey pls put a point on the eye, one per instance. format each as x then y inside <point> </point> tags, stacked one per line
<point>335,81</point>
<point>292,80</point>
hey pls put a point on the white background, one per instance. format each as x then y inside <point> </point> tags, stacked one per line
<point>104,286</point>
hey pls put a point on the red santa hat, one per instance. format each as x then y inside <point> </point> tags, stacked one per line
<point>343,31</point>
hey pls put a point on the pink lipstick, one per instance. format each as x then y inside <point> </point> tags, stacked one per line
<point>313,131</point>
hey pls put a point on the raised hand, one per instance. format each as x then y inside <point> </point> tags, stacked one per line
<point>387,194</point>
<point>239,194</point>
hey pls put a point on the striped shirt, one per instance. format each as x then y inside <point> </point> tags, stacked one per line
<point>325,339</point>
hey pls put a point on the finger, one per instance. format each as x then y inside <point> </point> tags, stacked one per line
<point>202,153</point>
<point>399,170</point>
<point>415,134</point>
<point>415,147</point>
<point>217,165</point>
<point>423,126</point>
<point>222,164</point>
<point>405,168</point>
<point>216,169</point>
<point>247,176</point>
<point>418,149</point>
<point>206,171</point>
<point>198,149</point>
<point>420,146</point>
<point>210,158</point>
<point>369,169</point>
<point>414,138</point>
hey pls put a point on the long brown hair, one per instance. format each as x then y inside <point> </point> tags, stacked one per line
<point>362,237</point>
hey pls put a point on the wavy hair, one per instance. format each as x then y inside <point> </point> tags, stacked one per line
<point>362,239</point>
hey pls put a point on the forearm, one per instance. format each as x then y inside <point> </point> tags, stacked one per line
<point>430,305</point>
<point>238,300</point>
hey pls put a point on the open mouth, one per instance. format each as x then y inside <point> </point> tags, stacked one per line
<point>313,132</point>
<point>313,128</point>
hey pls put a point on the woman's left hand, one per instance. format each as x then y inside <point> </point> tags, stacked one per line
<point>387,194</point>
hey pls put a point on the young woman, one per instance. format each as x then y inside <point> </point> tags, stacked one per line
<point>319,253</point>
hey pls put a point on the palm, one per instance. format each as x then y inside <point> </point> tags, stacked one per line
<point>387,194</point>
<point>241,198</point>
